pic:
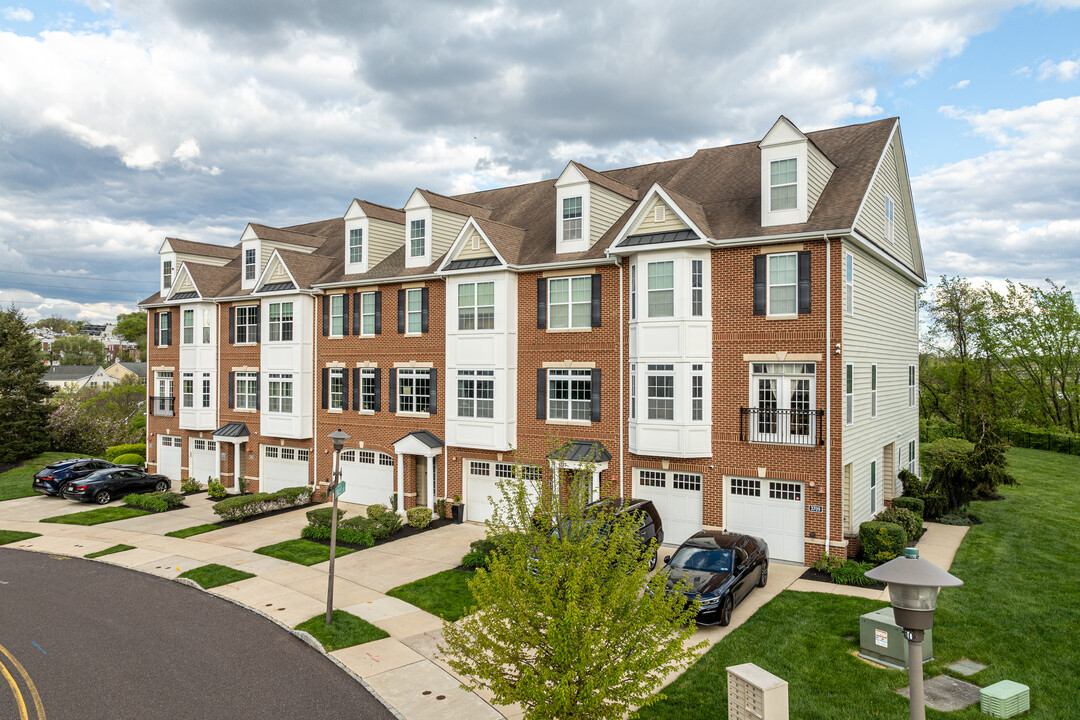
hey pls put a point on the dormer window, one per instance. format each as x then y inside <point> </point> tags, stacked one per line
<point>783,184</point>
<point>356,245</point>
<point>166,274</point>
<point>249,264</point>
<point>417,238</point>
<point>571,218</point>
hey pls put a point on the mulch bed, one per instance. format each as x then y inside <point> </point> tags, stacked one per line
<point>818,576</point>
<point>405,532</point>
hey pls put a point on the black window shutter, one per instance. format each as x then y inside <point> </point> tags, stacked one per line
<point>541,394</point>
<point>378,312</point>
<point>232,326</point>
<point>541,303</point>
<point>157,328</point>
<point>344,388</point>
<point>759,284</point>
<point>378,389</point>
<point>401,312</point>
<point>325,318</point>
<point>392,388</point>
<point>356,388</point>
<point>345,313</point>
<point>356,314</point>
<point>258,323</point>
<point>232,388</point>
<point>325,388</point>
<point>804,282</point>
<point>423,310</point>
<point>596,300</point>
<point>434,409</point>
<point>258,391</point>
<point>594,390</point>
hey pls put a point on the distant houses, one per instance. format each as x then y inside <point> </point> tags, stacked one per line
<point>75,377</point>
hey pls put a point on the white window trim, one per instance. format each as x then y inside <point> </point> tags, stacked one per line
<point>580,217</point>
<point>577,189</point>
<point>371,314</point>
<point>794,184</point>
<point>419,312</point>
<point>476,306</point>
<point>282,379</point>
<point>340,298</point>
<point>187,397</point>
<point>280,322</point>
<point>413,374</point>
<point>570,303</point>
<point>166,274</point>
<point>473,379</point>
<point>876,499</point>
<point>569,376</point>
<point>697,372</point>
<point>337,374</point>
<point>633,391</point>
<point>245,377</point>
<point>913,385</point>
<point>248,325</point>
<point>633,291</point>
<point>849,284</point>
<point>249,277</point>
<point>185,315</point>
<point>206,381</point>
<point>649,291</point>
<point>668,372</point>
<point>163,326</point>
<point>373,375</point>
<point>913,457</point>
<point>849,396</point>
<point>422,237</point>
<point>356,233</point>
<point>697,287</point>
<point>769,286</point>
<point>873,390</point>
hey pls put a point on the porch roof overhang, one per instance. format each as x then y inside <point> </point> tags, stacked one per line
<point>234,432</point>
<point>419,442</point>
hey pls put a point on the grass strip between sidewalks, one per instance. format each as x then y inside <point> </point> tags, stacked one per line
<point>445,594</point>
<point>109,551</point>
<point>96,517</point>
<point>302,552</point>
<point>345,630</point>
<point>213,575</point>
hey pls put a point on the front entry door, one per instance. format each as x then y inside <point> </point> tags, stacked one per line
<point>421,482</point>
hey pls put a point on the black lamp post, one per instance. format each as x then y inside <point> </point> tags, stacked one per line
<point>338,438</point>
<point>913,590</point>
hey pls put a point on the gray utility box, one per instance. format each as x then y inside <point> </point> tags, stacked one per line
<point>882,641</point>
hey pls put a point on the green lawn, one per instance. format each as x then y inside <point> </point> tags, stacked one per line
<point>212,575</point>
<point>96,517</point>
<point>343,631</point>
<point>18,482</point>
<point>1017,612</point>
<point>445,594</point>
<point>10,536</point>
<point>109,551</point>
<point>303,552</point>
<point>196,530</point>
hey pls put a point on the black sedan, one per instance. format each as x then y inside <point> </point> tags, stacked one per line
<point>721,570</point>
<point>104,485</point>
<point>51,479</point>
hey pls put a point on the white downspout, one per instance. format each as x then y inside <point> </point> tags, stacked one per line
<point>315,377</point>
<point>622,373</point>
<point>828,391</point>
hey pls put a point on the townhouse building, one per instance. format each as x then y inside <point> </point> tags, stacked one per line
<point>733,335</point>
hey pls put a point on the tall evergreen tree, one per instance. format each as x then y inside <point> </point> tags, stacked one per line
<point>24,412</point>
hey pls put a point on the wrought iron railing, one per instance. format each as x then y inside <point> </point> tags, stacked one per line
<point>782,427</point>
<point>162,405</point>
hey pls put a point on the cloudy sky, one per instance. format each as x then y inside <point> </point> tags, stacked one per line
<point>123,122</point>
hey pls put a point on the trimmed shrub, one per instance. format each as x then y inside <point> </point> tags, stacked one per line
<point>480,551</point>
<point>155,502</point>
<point>828,563</point>
<point>903,517</point>
<point>419,517</point>
<point>933,455</point>
<point>344,534</point>
<point>130,459</point>
<point>190,485</point>
<point>881,541</point>
<point>914,504</point>
<point>852,572</point>
<point>389,520</point>
<point>241,507</point>
<point>376,510</point>
<point>321,517</point>
<point>216,490</point>
<point>474,560</point>
<point>111,453</point>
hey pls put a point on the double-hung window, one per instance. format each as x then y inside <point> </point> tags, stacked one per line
<point>476,306</point>
<point>633,292</point>
<point>356,245</point>
<point>246,391</point>
<point>249,264</point>
<point>166,274</point>
<point>206,390</point>
<point>873,390</point>
<point>367,388</point>
<point>336,387</point>
<point>660,383</point>
<point>570,302</point>
<point>849,394</point>
<point>911,396</point>
<point>783,184</point>
<point>207,320</point>
<point>571,218</point>
<point>187,390</point>
<point>337,315</point>
<point>367,313</point>
<point>189,327</point>
<point>164,329</point>
<point>890,219</point>
<point>418,238</point>
<point>633,392</point>
<point>697,393</point>
<point>414,390</point>
<point>783,283</point>
<point>281,322</point>
<point>849,284</point>
<point>873,487</point>
<point>661,289</point>
<point>280,393</point>
<point>247,320</point>
<point>414,310</point>
<point>476,393</point>
<point>569,394</point>
<point>912,458</point>
<point>697,290</point>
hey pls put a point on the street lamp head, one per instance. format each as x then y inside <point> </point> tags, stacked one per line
<point>913,588</point>
<point>338,438</point>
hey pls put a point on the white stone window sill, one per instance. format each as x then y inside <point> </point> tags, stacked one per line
<point>413,414</point>
<point>577,423</point>
<point>782,317</point>
<point>366,412</point>
<point>337,411</point>
<point>246,344</point>
<point>413,334</point>
<point>570,330</point>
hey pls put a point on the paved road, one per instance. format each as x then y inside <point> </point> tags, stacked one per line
<point>99,641</point>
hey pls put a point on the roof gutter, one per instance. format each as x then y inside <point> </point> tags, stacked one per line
<point>319,287</point>
<point>861,242</point>
<point>786,237</point>
<point>570,264</point>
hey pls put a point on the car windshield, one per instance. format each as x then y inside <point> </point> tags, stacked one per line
<point>691,558</point>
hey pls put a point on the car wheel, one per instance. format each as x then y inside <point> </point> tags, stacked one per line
<point>725,611</point>
<point>764,574</point>
<point>652,560</point>
<point>103,497</point>
<point>161,486</point>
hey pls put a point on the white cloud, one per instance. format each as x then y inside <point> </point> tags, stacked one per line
<point>19,14</point>
<point>960,85</point>
<point>1060,71</point>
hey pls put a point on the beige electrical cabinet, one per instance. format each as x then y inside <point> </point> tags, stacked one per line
<point>756,694</point>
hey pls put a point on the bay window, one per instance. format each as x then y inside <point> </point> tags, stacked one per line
<point>280,392</point>
<point>281,322</point>
<point>660,387</point>
<point>661,289</point>
<point>476,393</point>
<point>189,327</point>
<point>476,306</point>
<point>187,390</point>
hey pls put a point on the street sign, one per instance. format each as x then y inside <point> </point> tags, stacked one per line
<point>339,489</point>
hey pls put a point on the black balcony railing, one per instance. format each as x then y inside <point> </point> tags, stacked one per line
<point>162,405</point>
<point>783,427</point>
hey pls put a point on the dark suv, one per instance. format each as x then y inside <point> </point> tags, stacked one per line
<point>51,479</point>
<point>651,526</point>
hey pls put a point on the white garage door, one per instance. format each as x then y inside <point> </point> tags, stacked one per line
<point>769,509</point>
<point>203,460</point>
<point>480,479</point>
<point>368,476</point>
<point>168,456</point>
<point>677,496</point>
<point>283,467</point>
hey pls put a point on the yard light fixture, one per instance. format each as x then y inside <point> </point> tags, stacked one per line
<point>338,438</point>
<point>913,590</point>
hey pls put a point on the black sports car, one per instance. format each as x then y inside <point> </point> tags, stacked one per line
<point>721,570</point>
<point>104,485</point>
<point>51,479</point>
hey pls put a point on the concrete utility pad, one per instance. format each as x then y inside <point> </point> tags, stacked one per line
<point>967,667</point>
<point>946,693</point>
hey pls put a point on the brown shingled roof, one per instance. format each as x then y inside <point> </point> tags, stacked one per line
<point>692,209</point>
<point>192,247</point>
<point>210,279</point>
<point>381,212</point>
<point>606,182</point>
<point>454,205</point>
<point>306,269</point>
<point>293,237</point>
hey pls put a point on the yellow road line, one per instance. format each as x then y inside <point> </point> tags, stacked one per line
<point>38,707</point>
<point>15,691</point>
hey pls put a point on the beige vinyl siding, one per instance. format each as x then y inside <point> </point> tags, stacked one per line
<point>265,251</point>
<point>383,238</point>
<point>605,207</point>
<point>186,285</point>
<point>871,220</point>
<point>882,331</point>
<point>467,252</point>
<point>818,172</point>
<point>445,227</point>
<point>278,274</point>
<point>671,220</point>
